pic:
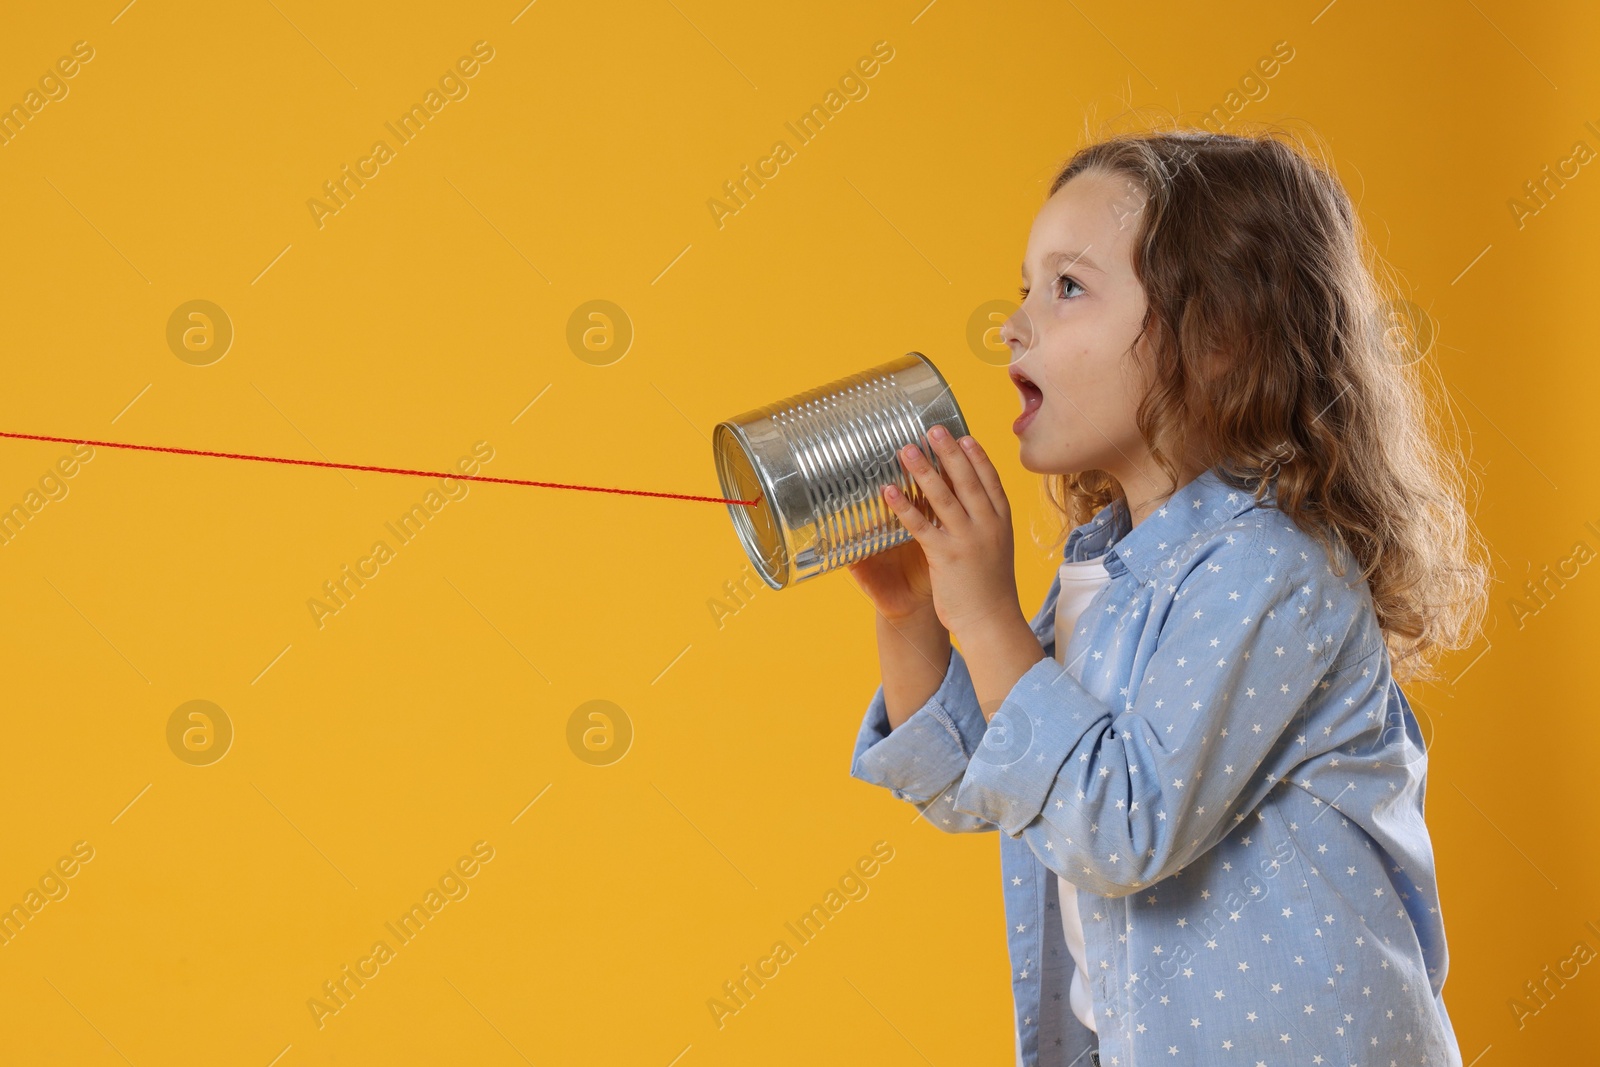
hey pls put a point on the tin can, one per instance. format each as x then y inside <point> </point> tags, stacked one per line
<point>816,463</point>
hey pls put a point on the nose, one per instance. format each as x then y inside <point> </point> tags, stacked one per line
<point>1017,333</point>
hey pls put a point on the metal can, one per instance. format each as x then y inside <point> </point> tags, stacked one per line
<point>816,463</point>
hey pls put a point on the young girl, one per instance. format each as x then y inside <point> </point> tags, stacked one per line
<point>1209,781</point>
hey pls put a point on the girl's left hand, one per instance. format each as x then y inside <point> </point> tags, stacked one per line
<point>971,558</point>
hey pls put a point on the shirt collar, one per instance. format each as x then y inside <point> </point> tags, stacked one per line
<point>1201,506</point>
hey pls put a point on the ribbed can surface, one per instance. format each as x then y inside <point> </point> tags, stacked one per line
<point>818,461</point>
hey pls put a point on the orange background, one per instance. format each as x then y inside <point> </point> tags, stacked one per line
<point>432,711</point>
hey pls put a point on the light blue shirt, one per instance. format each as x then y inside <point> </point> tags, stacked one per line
<point>1226,769</point>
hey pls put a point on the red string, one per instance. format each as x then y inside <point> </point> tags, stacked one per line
<point>380,470</point>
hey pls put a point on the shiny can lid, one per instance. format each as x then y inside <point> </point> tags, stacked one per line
<point>758,528</point>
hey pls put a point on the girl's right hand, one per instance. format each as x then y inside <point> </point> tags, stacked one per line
<point>896,581</point>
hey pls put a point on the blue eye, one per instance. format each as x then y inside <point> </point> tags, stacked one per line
<point>1022,293</point>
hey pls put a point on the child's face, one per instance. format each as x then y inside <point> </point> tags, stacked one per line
<point>1072,339</point>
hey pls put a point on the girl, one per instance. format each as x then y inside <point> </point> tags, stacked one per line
<point>1209,782</point>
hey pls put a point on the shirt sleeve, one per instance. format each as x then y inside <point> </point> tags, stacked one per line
<point>922,760</point>
<point>1113,799</point>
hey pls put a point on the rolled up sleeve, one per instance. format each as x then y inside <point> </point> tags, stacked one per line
<point>1045,718</point>
<point>923,759</point>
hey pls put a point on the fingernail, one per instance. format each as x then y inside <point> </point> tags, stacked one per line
<point>968,443</point>
<point>938,433</point>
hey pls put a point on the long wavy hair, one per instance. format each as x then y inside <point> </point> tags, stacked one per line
<point>1248,246</point>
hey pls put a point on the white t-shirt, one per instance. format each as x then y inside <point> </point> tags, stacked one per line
<point>1079,583</point>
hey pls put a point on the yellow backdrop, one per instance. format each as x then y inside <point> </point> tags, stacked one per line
<point>209,248</point>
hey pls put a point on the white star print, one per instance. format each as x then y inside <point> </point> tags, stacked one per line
<point>1162,613</point>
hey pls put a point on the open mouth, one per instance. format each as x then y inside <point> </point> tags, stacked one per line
<point>1032,397</point>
